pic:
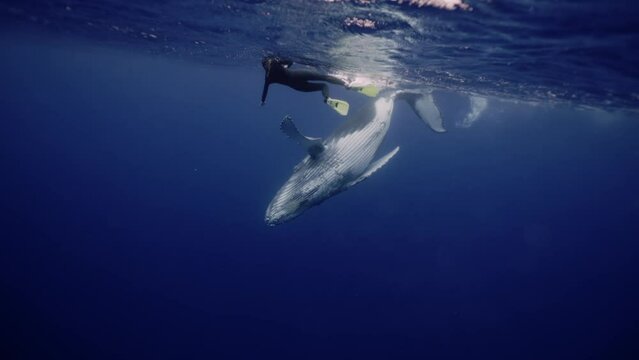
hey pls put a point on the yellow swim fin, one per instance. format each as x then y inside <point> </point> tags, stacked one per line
<point>338,105</point>
<point>368,90</point>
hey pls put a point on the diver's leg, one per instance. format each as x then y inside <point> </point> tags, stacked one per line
<point>333,80</point>
<point>309,75</point>
<point>324,90</point>
<point>338,105</point>
<point>311,87</point>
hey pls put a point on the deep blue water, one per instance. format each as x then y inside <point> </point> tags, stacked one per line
<point>134,186</point>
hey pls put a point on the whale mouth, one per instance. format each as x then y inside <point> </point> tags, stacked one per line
<point>283,210</point>
<point>270,221</point>
<point>274,217</point>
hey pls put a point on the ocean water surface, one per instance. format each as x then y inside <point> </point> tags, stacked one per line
<point>137,164</point>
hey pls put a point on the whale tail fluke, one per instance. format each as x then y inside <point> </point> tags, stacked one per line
<point>425,107</point>
<point>477,106</point>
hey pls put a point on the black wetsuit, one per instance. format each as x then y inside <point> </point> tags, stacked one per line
<point>279,73</point>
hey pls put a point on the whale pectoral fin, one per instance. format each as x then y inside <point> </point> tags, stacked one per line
<point>424,106</point>
<point>313,146</point>
<point>378,164</point>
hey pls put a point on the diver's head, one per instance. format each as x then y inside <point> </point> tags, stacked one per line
<point>267,62</point>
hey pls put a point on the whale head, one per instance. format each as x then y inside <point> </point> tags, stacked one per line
<point>311,183</point>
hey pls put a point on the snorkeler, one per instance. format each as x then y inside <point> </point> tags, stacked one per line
<point>278,72</point>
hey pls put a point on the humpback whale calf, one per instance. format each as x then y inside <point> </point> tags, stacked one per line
<point>345,158</point>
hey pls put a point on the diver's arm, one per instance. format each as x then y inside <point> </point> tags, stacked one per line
<point>265,90</point>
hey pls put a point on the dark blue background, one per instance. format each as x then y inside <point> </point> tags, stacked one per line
<point>133,196</point>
